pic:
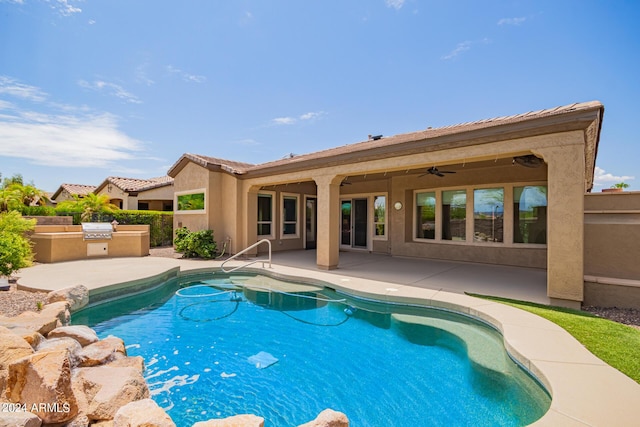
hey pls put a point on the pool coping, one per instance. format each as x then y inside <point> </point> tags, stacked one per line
<point>585,390</point>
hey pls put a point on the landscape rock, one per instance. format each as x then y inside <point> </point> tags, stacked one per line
<point>105,389</point>
<point>244,420</point>
<point>76,296</point>
<point>81,333</point>
<point>328,418</point>
<point>136,362</point>
<point>32,337</point>
<point>62,344</point>
<point>12,348</point>
<point>142,413</point>
<point>42,381</point>
<point>19,419</point>
<point>50,317</point>
<point>101,352</point>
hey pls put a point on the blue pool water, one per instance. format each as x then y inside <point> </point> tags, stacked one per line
<point>382,365</point>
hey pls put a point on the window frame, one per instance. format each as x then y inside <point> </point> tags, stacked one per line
<point>177,194</point>
<point>284,222</point>
<point>375,223</point>
<point>272,222</point>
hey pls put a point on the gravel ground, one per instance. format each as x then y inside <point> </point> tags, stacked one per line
<point>14,302</point>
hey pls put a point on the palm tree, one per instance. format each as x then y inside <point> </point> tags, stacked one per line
<point>88,205</point>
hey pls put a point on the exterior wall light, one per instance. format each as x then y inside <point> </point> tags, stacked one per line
<point>397,205</point>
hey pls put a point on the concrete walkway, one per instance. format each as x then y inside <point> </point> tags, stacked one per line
<point>510,282</point>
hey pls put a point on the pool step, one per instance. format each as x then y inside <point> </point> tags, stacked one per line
<point>484,348</point>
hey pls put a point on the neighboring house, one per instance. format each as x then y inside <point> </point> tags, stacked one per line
<point>67,191</point>
<point>508,190</point>
<point>139,194</point>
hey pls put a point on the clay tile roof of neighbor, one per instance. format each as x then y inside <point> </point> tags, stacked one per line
<point>135,184</point>
<point>78,189</point>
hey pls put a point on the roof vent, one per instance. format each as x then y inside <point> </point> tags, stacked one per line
<point>374,137</point>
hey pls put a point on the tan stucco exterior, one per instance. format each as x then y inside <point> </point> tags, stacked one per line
<point>481,155</point>
<point>612,249</point>
<point>56,243</point>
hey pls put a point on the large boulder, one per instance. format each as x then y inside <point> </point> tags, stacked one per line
<point>328,418</point>
<point>102,390</point>
<point>50,317</point>
<point>42,382</point>
<point>62,344</point>
<point>244,420</point>
<point>81,333</point>
<point>76,296</point>
<point>136,362</point>
<point>142,413</point>
<point>101,352</point>
<point>32,337</point>
<point>19,419</point>
<point>12,348</point>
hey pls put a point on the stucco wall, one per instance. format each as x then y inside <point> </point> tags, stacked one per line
<point>612,249</point>
<point>191,177</point>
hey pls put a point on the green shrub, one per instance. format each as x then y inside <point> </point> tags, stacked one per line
<point>195,244</point>
<point>15,248</point>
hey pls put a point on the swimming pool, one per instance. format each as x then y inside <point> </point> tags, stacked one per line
<point>225,345</point>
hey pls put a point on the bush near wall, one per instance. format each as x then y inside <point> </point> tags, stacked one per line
<point>160,223</point>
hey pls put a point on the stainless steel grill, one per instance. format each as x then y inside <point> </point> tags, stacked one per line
<point>96,230</point>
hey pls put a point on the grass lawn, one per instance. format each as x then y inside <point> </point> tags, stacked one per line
<point>615,343</point>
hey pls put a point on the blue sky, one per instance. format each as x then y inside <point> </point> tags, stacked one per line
<point>90,89</point>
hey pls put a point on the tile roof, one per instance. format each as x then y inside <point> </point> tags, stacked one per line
<point>395,142</point>
<point>136,184</point>
<point>77,189</point>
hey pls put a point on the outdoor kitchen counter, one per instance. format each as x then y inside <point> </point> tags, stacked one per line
<point>56,243</point>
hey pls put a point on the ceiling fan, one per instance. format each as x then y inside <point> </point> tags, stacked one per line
<point>529,161</point>
<point>435,171</point>
<point>345,181</point>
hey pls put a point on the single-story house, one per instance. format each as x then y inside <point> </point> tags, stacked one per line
<point>68,191</point>
<point>139,194</point>
<point>508,190</point>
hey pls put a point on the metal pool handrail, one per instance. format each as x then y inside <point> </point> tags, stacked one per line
<point>250,262</point>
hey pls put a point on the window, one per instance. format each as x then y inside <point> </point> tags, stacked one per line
<point>380,215</point>
<point>143,206</point>
<point>488,213</point>
<point>290,216</point>
<point>454,215</point>
<point>265,215</point>
<point>530,214</point>
<point>426,215</point>
<point>190,201</point>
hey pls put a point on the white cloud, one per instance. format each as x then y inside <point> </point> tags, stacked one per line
<point>396,4</point>
<point>463,47</point>
<point>602,178</point>
<point>66,141</point>
<point>311,115</point>
<point>191,78</point>
<point>247,142</point>
<point>512,21</point>
<point>13,87</point>
<point>283,121</point>
<point>111,89</point>
<point>53,134</point>
<point>292,120</point>
<point>64,7</point>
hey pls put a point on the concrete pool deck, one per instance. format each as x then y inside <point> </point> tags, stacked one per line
<point>585,390</point>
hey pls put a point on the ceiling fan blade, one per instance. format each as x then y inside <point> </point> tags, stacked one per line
<point>439,174</point>
<point>424,174</point>
<point>447,171</point>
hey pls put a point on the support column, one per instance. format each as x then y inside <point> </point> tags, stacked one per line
<point>328,245</point>
<point>250,221</point>
<point>565,223</point>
